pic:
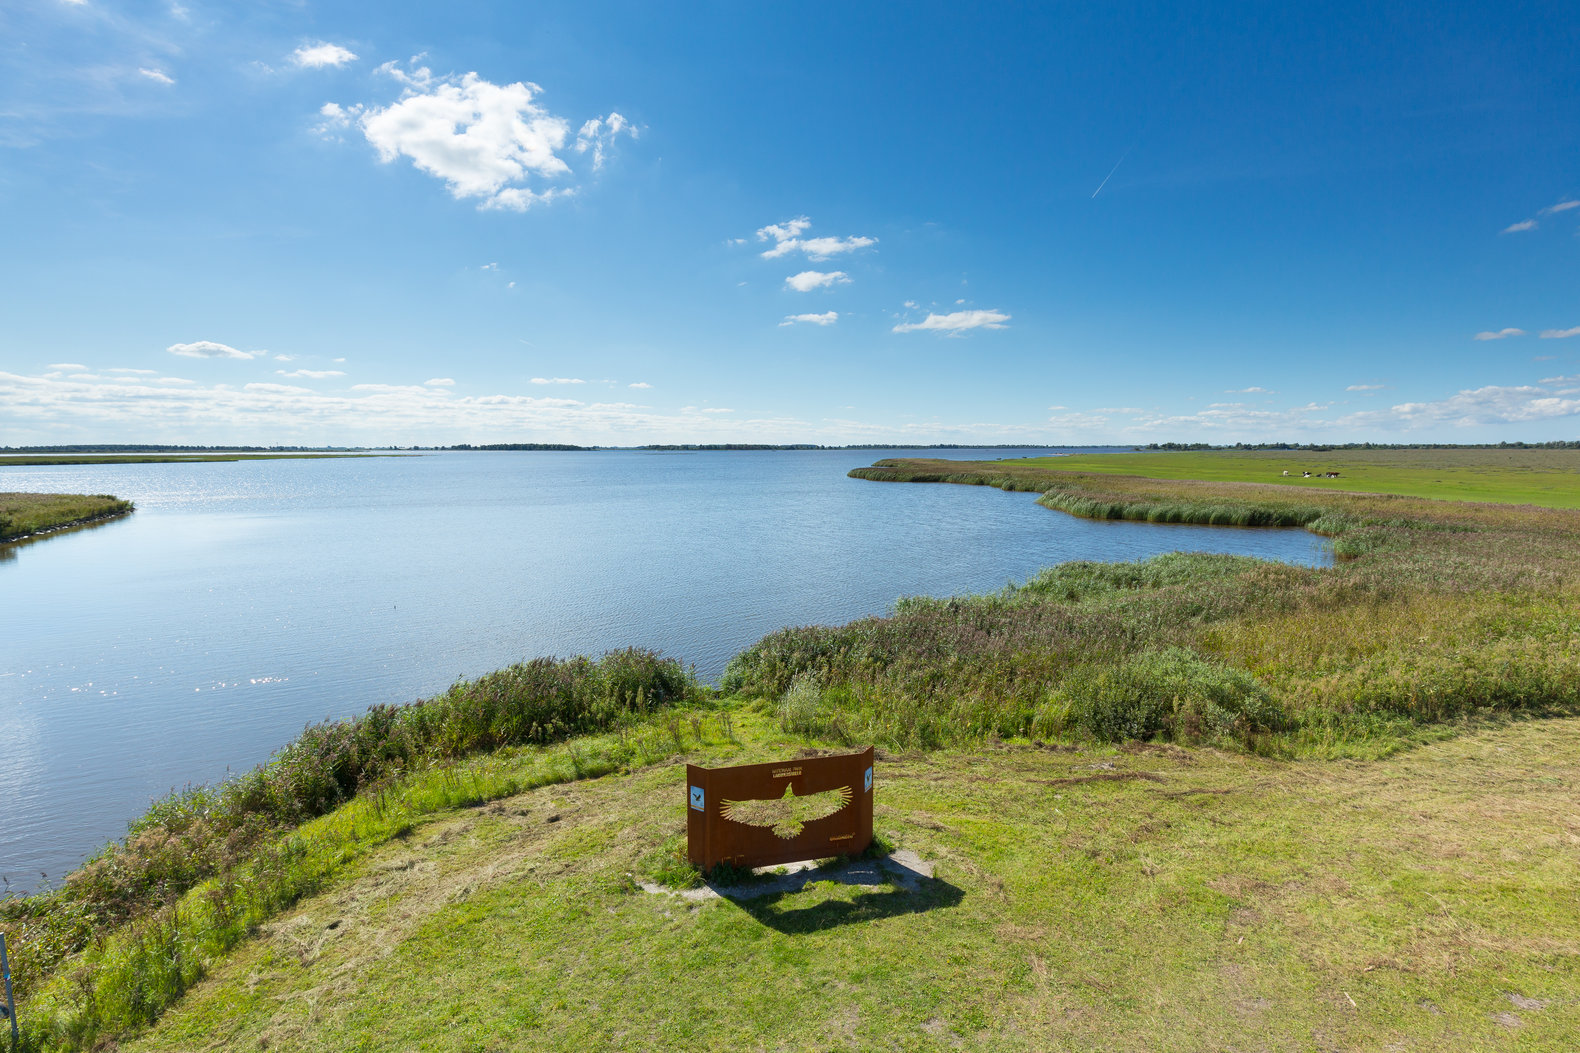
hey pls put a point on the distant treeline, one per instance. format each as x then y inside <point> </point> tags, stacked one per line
<point>143,447</point>
<point>562,446</point>
<point>1556,444</point>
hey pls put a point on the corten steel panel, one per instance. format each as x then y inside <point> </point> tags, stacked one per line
<point>720,802</point>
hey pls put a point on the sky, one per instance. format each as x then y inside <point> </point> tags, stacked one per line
<point>300,222</point>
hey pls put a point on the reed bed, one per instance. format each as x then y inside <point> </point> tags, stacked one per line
<point>1435,613</point>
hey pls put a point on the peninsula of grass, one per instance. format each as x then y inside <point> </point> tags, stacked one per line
<point>23,515</point>
<point>1196,802</point>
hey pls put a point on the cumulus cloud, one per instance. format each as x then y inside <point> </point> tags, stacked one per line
<point>826,318</point>
<point>806,281</point>
<point>157,75</point>
<point>68,367</point>
<point>1489,405</point>
<point>485,140</point>
<point>440,382</point>
<point>640,384</point>
<point>1560,334</point>
<point>558,380</point>
<point>312,374</point>
<point>1499,334</point>
<point>321,55</point>
<point>956,322</point>
<point>786,238</point>
<point>210,349</point>
<point>1522,225</point>
<point>599,134</point>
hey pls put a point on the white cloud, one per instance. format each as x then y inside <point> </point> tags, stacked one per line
<point>826,318</point>
<point>1500,334</point>
<point>558,380</point>
<point>1524,224</point>
<point>787,238</point>
<point>956,322</point>
<point>1560,334</point>
<point>718,410</point>
<point>483,139</point>
<point>311,374</point>
<point>599,134</point>
<point>292,358</point>
<point>277,389</point>
<point>1364,387</point>
<point>320,55</point>
<point>1249,391</point>
<point>440,382</point>
<point>210,349</point>
<point>134,372</point>
<point>806,281</point>
<point>1560,380</point>
<point>69,367</point>
<point>1488,405</point>
<point>1562,206</point>
<point>640,384</point>
<point>158,75</point>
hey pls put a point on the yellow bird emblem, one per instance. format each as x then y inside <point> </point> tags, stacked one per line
<point>788,814</point>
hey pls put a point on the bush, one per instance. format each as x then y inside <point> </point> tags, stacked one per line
<point>1175,694</point>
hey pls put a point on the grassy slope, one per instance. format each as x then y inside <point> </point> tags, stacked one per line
<point>23,514</point>
<point>1224,902</point>
<point>1550,478</point>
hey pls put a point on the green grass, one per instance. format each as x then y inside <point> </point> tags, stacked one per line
<point>1550,478</point>
<point>1138,899</point>
<point>15,461</point>
<point>24,514</point>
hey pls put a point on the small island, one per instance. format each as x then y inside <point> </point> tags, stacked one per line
<point>26,515</point>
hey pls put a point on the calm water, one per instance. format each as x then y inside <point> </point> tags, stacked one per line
<point>246,599</point>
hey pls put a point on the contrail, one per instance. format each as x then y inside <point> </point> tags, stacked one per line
<point>1111,172</point>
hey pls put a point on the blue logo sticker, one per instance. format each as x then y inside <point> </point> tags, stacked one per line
<point>696,793</point>
<point>869,778</point>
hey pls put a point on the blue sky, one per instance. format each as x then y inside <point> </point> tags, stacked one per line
<point>306,222</point>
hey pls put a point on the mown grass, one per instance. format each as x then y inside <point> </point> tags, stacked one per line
<point>23,514</point>
<point>1508,476</point>
<point>1140,898</point>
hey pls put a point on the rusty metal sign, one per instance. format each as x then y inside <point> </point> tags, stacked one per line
<point>761,815</point>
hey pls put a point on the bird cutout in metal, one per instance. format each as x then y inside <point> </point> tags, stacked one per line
<point>788,814</point>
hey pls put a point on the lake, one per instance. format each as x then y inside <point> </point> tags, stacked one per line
<point>245,599</point>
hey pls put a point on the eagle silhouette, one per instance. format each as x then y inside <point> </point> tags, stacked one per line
<point>788,814</point>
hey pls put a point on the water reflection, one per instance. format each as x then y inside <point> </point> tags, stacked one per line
<point>244,599</point>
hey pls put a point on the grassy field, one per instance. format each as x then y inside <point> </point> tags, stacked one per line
<point>25,514</point>
<point>1196,802</point>
<point>23,460</point>
<point>1550,478</point>
<point>1129,899</point>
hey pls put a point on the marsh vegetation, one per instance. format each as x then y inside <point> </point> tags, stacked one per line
<point>22,514</point>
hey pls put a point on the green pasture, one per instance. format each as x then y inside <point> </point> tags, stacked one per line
<point>1537,477</point>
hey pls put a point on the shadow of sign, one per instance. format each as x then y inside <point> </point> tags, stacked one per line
<point>755,815</point>
<point>910,893</point>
